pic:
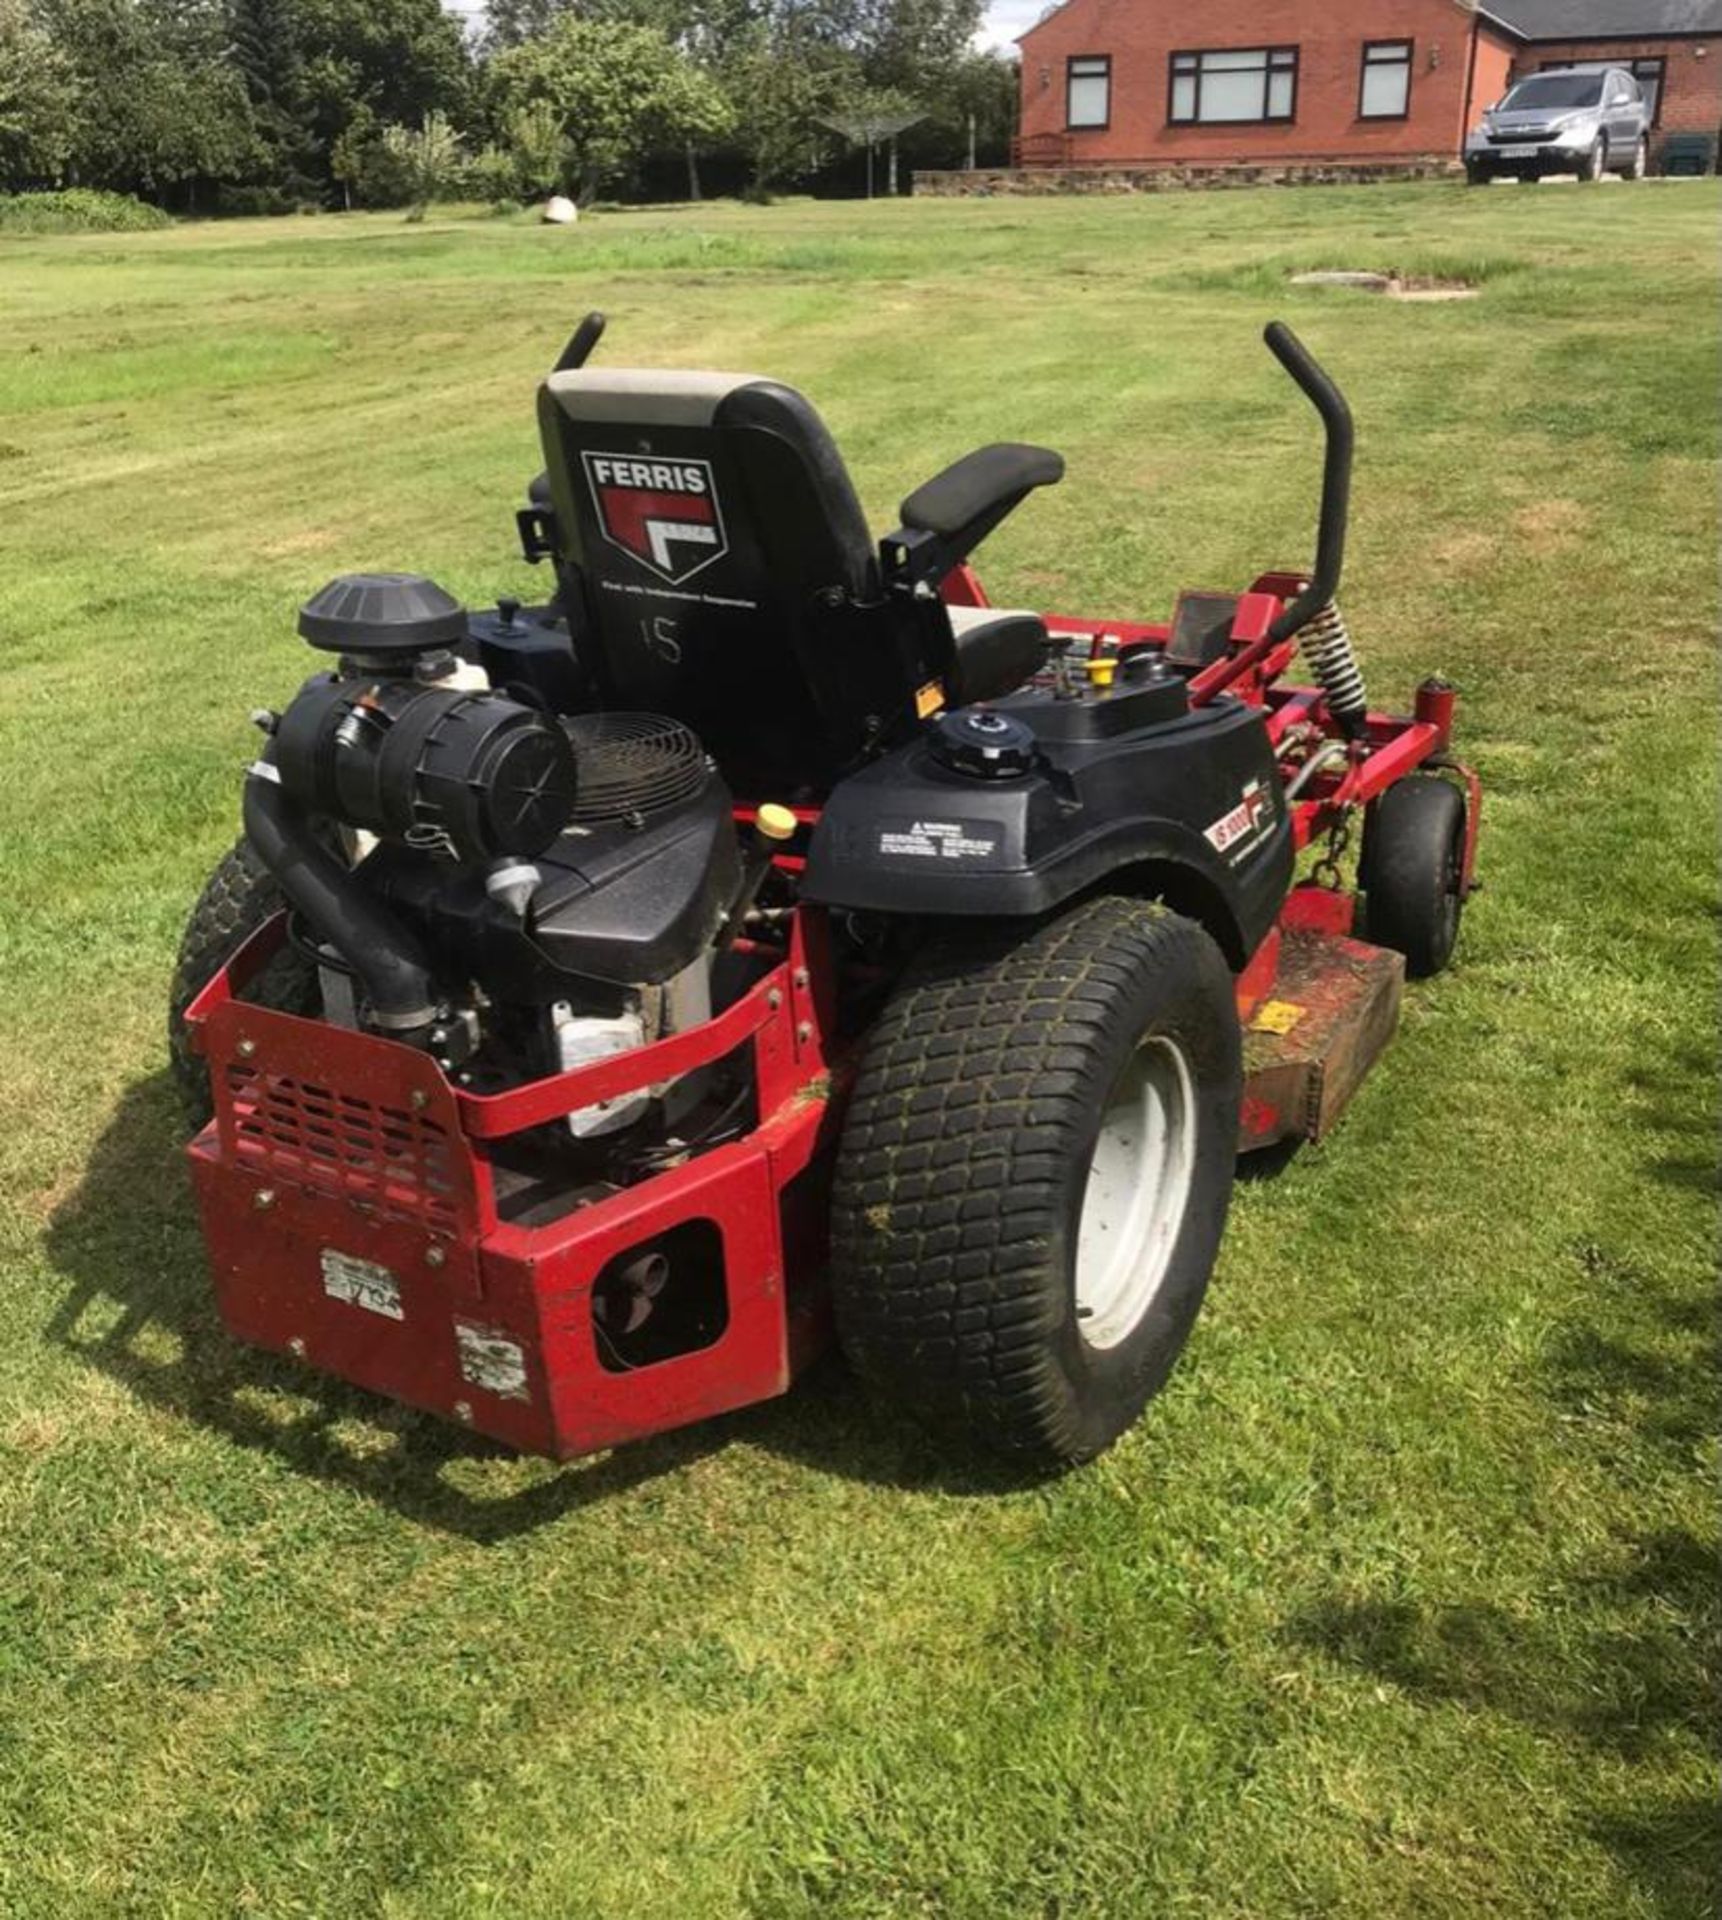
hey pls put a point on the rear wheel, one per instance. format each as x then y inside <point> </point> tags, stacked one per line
<point>1640,161</point>
<point>1034,1177</point>
<point>1412,869</point>
<point>239,897</point>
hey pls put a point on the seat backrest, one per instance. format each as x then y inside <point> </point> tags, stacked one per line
<point>723,572</point>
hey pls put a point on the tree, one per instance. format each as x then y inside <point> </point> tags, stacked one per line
<point>181,114</point>
<point>784,75</point>
<point>429,158</point>
<point>367,63</point>
<point>511,23</point>
<point>493,174</point>
<point>351,150</point>
<point>619,92</point>
<point>539,146</point>
<point>971,115</point>
<point>266,52</point>
<point>37,100</point>
<point>912,45</point>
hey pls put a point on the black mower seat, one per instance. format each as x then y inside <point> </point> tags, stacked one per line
<point>718,568</point>
<point>994,650</point>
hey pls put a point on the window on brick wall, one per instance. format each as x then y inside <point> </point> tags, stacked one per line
<point>1088,90</point>
<point>1384,90</point>
<point>1650,75</point>
<point>1226,86</point>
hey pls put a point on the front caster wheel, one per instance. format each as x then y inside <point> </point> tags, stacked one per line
<point>1412,868</point>
<point>1034,1177</point>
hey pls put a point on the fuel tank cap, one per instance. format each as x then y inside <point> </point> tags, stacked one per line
<point>983,744</point>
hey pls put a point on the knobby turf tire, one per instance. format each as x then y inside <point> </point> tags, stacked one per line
<point>964,1158</point>
<point>239,897</point>
<point>1413,858</point>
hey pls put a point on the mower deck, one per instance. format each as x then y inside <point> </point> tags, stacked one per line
<point>1334,1007</point>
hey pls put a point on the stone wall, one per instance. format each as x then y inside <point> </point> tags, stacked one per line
<point>987,181</point>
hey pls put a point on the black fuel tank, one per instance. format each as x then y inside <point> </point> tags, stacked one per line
<point>913,833</point>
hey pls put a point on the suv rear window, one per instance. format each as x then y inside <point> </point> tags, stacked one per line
<point>1557,90</point>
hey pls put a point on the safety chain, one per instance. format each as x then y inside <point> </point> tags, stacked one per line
<point>1325,872</point>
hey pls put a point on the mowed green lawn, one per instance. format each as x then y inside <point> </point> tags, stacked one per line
<point>1399,1601</point>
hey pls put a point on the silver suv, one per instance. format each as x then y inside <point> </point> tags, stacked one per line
<point>1563,121</point>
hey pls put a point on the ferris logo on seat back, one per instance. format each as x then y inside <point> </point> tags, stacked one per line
<point>662,513</point>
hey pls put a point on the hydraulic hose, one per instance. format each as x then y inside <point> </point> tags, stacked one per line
<point>387,959</point>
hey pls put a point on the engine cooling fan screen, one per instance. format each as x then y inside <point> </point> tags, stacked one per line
<point>633,763</point>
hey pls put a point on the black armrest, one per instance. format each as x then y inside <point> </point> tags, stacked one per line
<point>962,505</point>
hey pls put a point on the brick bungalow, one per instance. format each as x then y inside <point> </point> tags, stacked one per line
<point>1289,89</point>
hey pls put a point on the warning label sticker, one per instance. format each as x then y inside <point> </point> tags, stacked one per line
<point>970,840</point>
<point>361,1283</point>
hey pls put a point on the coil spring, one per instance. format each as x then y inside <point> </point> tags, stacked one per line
<point>1327,646</point>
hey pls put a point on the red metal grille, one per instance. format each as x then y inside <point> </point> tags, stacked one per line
<point>387,1158</point>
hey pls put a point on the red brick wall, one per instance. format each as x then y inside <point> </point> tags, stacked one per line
<point>1495,59</point>
<point>1691,86</point>
<point>1141,35</point>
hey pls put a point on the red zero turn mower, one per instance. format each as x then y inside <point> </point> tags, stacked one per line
<point>769,938</point>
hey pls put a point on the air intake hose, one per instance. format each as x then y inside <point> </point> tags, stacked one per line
<point>388,961</point>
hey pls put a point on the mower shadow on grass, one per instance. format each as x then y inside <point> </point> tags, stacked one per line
<point>1675,1096</point>
<point>1616,1667</point>
<point>139,1307</point>
<point>1616,1661</point>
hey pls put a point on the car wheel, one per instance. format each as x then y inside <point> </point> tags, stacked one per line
<point>1595,163</point>
<point>1640,161</point>
<point>1475,176</point>
<point>1034,1176</point>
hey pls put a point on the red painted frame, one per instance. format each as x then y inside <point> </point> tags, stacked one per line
<point>335,1152</point>
<point>273,1212</point>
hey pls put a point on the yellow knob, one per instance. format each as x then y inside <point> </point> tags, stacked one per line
<point>1100,671</point>
<point>775,822</point>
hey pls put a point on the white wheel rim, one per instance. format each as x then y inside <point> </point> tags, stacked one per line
<point>1137,1191</point>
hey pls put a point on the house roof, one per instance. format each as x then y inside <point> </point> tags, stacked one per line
<point>1568,19</point>
<point>1603,19</point>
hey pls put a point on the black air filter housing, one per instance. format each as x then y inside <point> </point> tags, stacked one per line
<point>382,616</point>
<point>470,775</point>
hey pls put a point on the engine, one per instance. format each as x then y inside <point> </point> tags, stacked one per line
<point>514,890</point>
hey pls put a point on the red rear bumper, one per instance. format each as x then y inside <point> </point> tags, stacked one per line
<point>350,1210</point>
